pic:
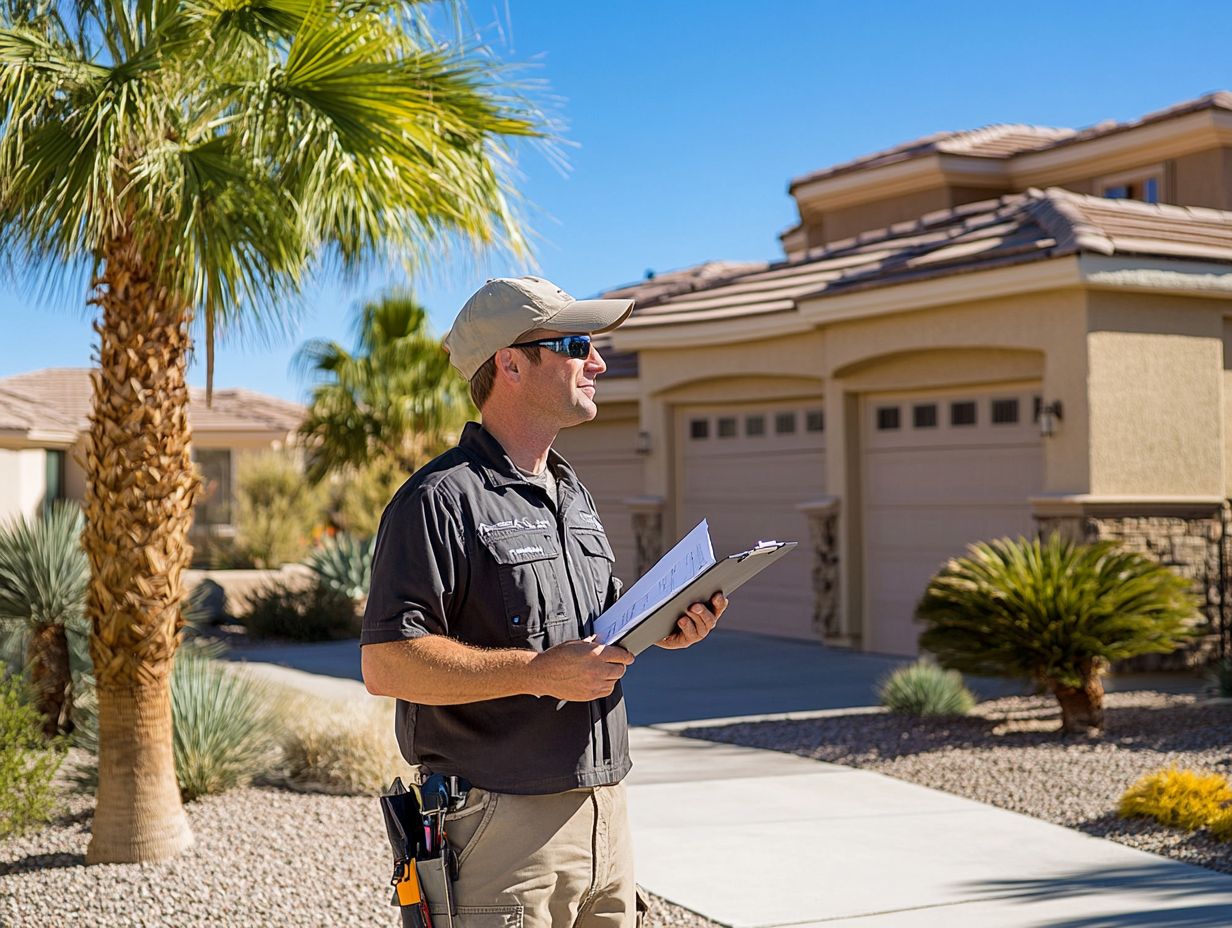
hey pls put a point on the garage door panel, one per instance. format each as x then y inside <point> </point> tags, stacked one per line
<point>748,487</point>
<point>928,492</point>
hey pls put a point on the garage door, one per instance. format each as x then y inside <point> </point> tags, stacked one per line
<point>603,452</point>
<point>940,470</point>
<point>745,468</point>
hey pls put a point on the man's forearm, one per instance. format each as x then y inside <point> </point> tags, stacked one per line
<point>439,671</point>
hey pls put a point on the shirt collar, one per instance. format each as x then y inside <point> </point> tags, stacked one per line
<point>500,471</point>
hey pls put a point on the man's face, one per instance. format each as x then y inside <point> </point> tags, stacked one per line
<point>559,390</point>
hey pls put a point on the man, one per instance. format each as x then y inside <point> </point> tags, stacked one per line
<point>491,565</point>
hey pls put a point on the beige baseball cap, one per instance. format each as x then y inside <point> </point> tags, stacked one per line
<point>505,308</point>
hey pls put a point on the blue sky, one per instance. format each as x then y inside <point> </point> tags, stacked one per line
<point>685,121</point>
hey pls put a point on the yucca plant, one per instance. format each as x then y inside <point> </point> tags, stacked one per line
<point>43,577</point>
<point>344,564</point>
<point>1185,799</point>
<point>923,688</point>
<point>1055,612</point>
<point>224,723</point>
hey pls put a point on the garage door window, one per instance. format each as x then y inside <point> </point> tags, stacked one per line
<point>785,423</point>
<point>1004,412</point>
<point>925,416</point>
<point>815,421</point>
<point>755,426</point>
<point>962,413</point>
<point>699,428</point>
<point>727,427</point>
<point>887,418</point>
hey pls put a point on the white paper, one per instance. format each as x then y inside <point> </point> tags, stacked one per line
<point>689,559</point>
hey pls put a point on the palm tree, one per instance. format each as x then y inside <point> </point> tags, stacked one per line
<point>43,577</point>
<point>203,158</point>
<point>1055,612</point>
<point>395,399</point>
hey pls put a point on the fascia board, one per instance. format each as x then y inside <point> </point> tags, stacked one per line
<point>723,332</point>
<point>25,439</point>
<point>1156,275</point>
<point>1054,274</point>
<point>1122,151</point>
<point>877,183</point>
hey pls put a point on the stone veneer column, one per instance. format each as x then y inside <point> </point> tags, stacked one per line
<point>822,516</point>
<point>1184,535</point>
<point>647,515</point>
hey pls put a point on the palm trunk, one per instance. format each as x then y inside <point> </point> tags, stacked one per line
<point>50,677</point>
<point>139,495</point>
<point>1082,707</point>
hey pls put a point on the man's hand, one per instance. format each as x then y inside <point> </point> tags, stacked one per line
<point>695,624</point>
<point>578,671</point>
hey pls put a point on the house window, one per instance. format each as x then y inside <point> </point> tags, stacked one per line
<point>815,420</point>
<point>699,428</point>
<point>887,418</point>
<point>924,416</point>
<point>1037,406</point>
<point>214,503</point>
<point>54,478</point>
<point>785,423</point>
<point>962,413</point>
<point>1143,187</point>
<point>727,427</point>
<point>1004,412</point>
<point>755,425</point>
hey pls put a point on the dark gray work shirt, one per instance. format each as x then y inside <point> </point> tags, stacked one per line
<point>470,549</point>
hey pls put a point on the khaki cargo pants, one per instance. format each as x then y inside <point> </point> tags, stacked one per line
<point>563,860</point>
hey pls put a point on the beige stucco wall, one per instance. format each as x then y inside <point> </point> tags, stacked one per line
<point>1202,179</point>
<point>23,482</point>
<point>1155,369</point>
<point>852,220</point>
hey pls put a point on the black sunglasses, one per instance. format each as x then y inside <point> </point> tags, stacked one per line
<point>571,346</point>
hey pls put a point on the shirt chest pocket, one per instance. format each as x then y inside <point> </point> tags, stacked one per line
<point>531,591</point>
<point>599,562</point>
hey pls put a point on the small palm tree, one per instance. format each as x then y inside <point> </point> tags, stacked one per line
<point>395,398</point>
<point>43,578</point>
<point>1055,612</point>
<point>202,158</point>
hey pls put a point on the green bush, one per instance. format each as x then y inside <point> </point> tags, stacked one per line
<point>344,564</point>
<point>1178,798</point>
<point>277,510</point>
<point>923,688</point>
<point>341,747</point>
<point>1055,612</point>
<point>1221,677</point>
<point>28,761</point>
<point>225,725</point>
<point>316,613</point>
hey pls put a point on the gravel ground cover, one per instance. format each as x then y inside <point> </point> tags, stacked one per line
<point>263,857</point>
<point>1008,753</point>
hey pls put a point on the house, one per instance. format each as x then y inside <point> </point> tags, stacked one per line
<point>1002,331</point>
<point>44,416</point>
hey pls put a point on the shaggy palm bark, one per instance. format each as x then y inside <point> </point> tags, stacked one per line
<point>139,496</point>
<point>47,654</point>
<point>1082,707</point>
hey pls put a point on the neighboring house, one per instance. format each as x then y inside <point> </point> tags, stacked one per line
<point>44,416</point>
<point>983,333</point>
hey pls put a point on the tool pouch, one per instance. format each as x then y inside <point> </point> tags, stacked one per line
<point>436,876</point>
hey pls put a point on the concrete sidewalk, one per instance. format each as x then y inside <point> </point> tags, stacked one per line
<point>759,838</point>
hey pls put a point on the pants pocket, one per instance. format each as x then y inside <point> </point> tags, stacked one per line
<point>487,916</point>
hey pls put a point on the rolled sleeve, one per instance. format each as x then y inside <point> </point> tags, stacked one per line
<point>418,570</point>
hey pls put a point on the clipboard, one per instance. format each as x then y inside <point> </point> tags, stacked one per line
<point>725,576</point>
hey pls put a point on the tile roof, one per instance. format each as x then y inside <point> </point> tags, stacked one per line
<point>1004,141</point>
<point>23,412</point>
<point>1008,230</point>
<point>63,393</point>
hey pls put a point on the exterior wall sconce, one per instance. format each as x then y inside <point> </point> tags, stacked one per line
<point>1050,415</point>
<point>642,445</point>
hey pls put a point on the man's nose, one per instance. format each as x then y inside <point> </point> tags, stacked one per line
<point>594,361</point>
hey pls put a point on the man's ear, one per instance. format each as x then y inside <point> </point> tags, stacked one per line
<point>507,361</point>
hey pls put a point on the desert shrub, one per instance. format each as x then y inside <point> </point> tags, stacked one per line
<point>362,494</point>
<point>28,761</point>
<point>316,613</point>
<point>1179,798</point>
<point>342,747</point>
<point>225,725</point>
<point>923,688</point>
<point>277,509</point>
<point>1220,676</point>
<point>1221,825</point>
<point>1056,613</point>
<point>344,564</point>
